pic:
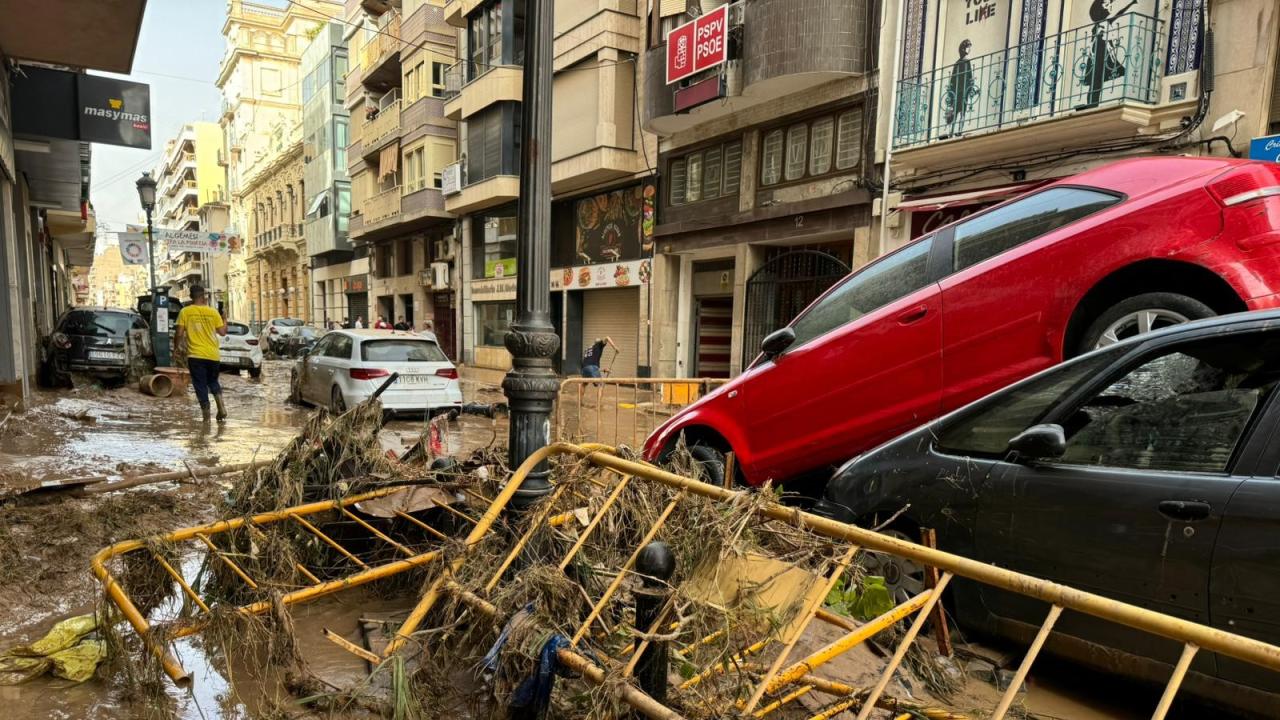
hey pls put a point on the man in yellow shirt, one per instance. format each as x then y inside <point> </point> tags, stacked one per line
<point>199,327</point>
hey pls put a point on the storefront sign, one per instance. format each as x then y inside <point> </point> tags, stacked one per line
<point>611,275</point>
<point>698,45</point>
<point>114,112</point>
<point>490,290</point>
<point>356,284</point>
<point>1265,148</point>
<point>505,267</point>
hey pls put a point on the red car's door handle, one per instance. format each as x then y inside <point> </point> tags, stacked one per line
<point>915,314</point>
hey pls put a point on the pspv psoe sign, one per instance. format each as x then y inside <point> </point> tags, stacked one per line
<point>1265,148</point>
<point>698,45</point>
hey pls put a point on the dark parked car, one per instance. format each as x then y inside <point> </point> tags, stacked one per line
<point>1147,471</point>
<point>90,341</point>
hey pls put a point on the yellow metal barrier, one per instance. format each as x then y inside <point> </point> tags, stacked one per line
<point>774,681</point>
<point>623,411</point>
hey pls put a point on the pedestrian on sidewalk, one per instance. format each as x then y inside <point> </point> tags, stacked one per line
<point>401,325</point>
<point>359,322</point>
<point>199,327</point>
<point>591,359</point>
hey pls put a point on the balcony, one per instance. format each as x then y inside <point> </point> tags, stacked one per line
<point>456,11</point>
<point>501,84</point>
<point>454,78</point>
<point>383,207</point>
<point>376,56</point>
<point>484,194</point>
<point>186,269</point>
<point>1044,93</point>
<point>382,128</point>
<point>596,166</point>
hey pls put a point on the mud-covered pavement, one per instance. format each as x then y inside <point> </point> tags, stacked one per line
<point>46,542</point>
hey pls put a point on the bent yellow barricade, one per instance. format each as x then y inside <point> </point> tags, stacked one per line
<point>730,621</point>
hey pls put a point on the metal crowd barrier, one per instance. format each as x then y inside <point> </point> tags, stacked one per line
<point>622,411</point>
<point>774,679</point>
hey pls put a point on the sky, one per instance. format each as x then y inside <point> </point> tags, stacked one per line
<point>179,49</point>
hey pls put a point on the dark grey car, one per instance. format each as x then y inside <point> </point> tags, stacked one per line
<point>1146,472</point>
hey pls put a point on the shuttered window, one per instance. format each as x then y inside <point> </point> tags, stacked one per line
<point>771,159</point>
<point>797,150</point>
<point>849,139</point>
<point>820,152</point>
<point>677,182</point>
<point>706,174</point>
<point>712,174</point>
<point>732,167</point>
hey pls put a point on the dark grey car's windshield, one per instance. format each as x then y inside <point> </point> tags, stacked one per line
<point>987,428</point>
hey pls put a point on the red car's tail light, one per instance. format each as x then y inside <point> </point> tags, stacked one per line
<point>368,373</point>
<point>1247,182</point>
<point>252,341</point>
<point>451,373</point>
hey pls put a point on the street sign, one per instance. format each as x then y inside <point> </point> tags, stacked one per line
<point>1265,148</point>
<point>698,45</point>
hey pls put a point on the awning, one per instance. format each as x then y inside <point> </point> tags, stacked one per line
<point>388,161</point>
<point>984,196</point>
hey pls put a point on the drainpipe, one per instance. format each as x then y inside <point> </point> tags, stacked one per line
<point>893,121</point>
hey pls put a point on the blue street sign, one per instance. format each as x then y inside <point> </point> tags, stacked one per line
<point>1265,148</point>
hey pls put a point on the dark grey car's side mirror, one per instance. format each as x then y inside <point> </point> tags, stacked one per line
<point>777,342</point>
<point>1040,442</point>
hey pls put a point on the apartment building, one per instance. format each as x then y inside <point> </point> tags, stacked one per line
<point>339,274</point>
<point>766,170</point>
<point>189,177</point>
<point>260,78</point>
<point>602,179</point>
<point>992,104</point>
<point>400,143</point>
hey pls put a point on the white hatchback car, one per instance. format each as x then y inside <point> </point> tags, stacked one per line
<point>347,366</point>
<point>240,350</point>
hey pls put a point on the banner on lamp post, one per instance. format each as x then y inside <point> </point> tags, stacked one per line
<point>133,249</point>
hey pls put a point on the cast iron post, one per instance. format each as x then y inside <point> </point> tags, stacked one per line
<point>655,565</point>
<point>531,385</point>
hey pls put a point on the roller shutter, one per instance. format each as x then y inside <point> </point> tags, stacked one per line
<point>613,313</point>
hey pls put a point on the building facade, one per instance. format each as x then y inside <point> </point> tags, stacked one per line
<point>992,104</point>
<point>47,224</point>
<point>401,142</point>
<point>766,168</point>
<point>189,177</point>
<point>602,180</point>
<point>339,275</point>
<point>260,78</point>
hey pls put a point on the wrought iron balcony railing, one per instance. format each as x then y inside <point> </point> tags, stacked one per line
<point>1082,68</point>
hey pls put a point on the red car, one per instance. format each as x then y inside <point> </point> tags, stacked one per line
<point>990,299</point>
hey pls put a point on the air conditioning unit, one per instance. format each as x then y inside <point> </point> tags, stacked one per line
<point>442,250</point>
<point>439,275</point>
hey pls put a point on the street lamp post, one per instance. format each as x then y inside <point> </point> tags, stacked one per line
<point>159,300</point>
<point>531,385</point>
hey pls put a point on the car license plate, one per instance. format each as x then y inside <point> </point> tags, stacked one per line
<point>416,379</point>
<point>105,355</point>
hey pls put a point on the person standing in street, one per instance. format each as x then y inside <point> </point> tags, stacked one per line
<point>359,322</point>
<point>199,327</point>
<point>591,359</point>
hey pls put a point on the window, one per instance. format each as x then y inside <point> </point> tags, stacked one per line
<point>410,83</point>
<point>880,283</point>
<point>706,174</point>
<point>438,72</point>
<point>495,33</point>
<point>493,142</point>
<point>771,159</point>
<point>1007,227</point>
<point>401,351</point>
<point>270,79</point>
<point>404,257</point>
<point>987,430</point>
<point>797,150</point>
<point>694,191</point>
<point>820,154</point>
<point>339,348</point>
<point>415,169</point>
<point>494,244</point>
<point>494,320</point>
<point>340,142</point>
<point>344,209</point>
<point>849,140</point>
<point>340,70</point>
<point>812,148</point>
<point>1183,411</point>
